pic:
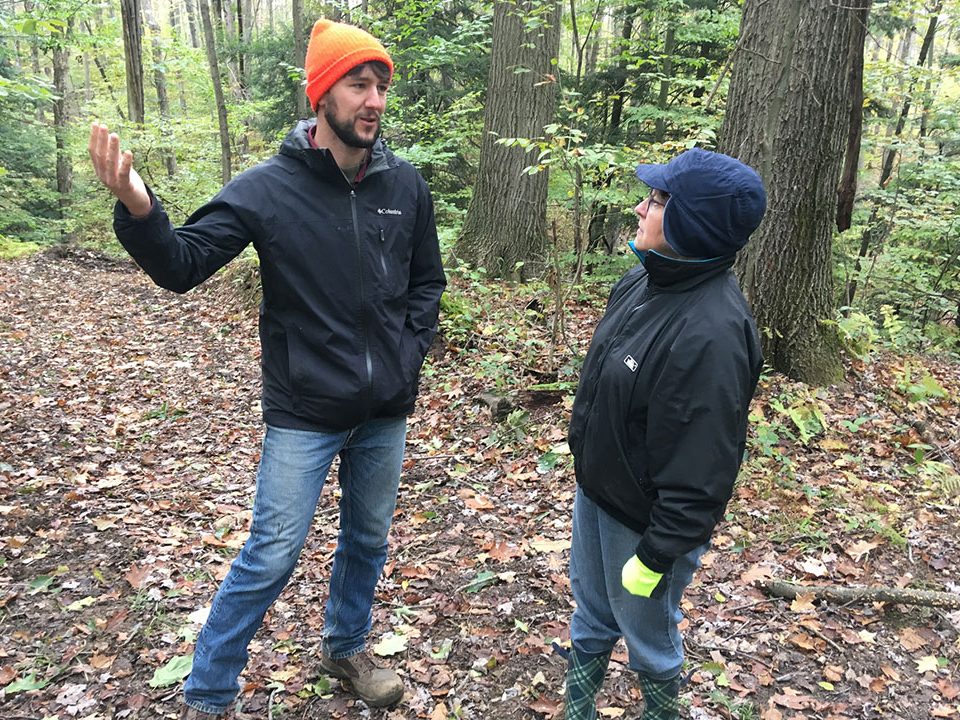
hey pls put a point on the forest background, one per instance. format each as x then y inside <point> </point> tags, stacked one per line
<point>527,120</point>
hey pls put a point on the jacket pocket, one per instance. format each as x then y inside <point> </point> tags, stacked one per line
<point>392,259</point>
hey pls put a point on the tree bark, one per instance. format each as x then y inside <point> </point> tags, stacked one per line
<point>300,48</point>
<point>210,42</point>
<point>787,117</point>
<point>506,222</point>
<point>847,191</point>
<point>133,54</point>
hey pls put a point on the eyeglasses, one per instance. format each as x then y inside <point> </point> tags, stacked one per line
<point>652,200</point>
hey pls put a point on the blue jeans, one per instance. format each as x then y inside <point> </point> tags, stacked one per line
<point>606,611</point>
<point>293,468</point>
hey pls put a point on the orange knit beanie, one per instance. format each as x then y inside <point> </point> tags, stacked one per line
<point>334,50</point>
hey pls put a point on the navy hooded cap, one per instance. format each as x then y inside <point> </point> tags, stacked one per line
<point>715,202</point>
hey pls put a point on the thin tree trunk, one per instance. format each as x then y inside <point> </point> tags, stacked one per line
<point>192,22</point>
<point>61,77</point>
<point>133,54</point>
<point>160,84</point>
<point>664,97</point>
<point>891,153</point>
<point>300,48</point>
<point>847,191</point>
<point>98,62</point>
<point>874,227</point>
<point>210,43</point>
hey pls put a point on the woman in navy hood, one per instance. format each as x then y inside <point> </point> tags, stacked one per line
<point>659,425</point>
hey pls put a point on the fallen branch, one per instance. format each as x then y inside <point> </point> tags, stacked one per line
<point>927,598</point>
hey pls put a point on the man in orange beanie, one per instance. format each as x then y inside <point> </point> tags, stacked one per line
<point>351,274</point>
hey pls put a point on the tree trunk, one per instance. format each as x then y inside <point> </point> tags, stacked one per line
<point>787,114</point>
<point>98,62</point>
<point>664,98</point>
<point>28,7</point>
<point>300,48</point>
<point>506,222</point>
<point>133,54</point>
<point>210,42</point>
<point>874,227</point>
<point>61,76</point>
<point>891,153</point>
<point>192,23</point>
<point>160,84</point>
<point>847,191</point>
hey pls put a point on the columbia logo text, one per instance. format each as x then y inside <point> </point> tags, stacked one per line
<point>388,211</point>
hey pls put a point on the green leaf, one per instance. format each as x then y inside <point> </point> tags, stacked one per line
<point>173,672</point>
<point>41,583</point>
<point>80,604</point>
<point>30,682</point>
<point>442,652</point>
<point>482,580</point>
<point>521,625</point>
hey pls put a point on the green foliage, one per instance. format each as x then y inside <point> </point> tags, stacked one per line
<point>29,207</point>
<point>918,390</point>
<point>858,333</point>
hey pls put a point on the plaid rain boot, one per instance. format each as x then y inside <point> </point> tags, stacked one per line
<point>660,698</point>
<point>585,675</point>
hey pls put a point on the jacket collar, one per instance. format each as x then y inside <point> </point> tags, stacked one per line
<point>674,275</point>
<point>297,145</point>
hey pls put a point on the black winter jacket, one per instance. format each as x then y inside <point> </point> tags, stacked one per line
<point>351,277</point>
<point>659,420</point>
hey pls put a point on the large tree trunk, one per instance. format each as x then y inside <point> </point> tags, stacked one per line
<point>847,192</point>
<point>506,221</point>
<point>210,42</point>
<point>133,54</point>
<point>160,84</point>
<point>787,117</point>
<point>300,48</point>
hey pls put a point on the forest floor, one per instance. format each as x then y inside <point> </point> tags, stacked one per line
<point>130,430</point>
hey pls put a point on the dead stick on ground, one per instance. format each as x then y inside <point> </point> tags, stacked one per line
<point>927,598</point>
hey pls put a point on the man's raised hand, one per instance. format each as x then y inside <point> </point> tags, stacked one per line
<point>115,170</point>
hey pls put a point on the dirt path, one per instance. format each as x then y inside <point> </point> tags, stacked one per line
<point>130,433</point>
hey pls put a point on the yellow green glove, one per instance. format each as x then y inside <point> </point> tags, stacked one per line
<point>638,579</point>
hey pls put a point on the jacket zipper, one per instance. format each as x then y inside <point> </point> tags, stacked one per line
<point>363,329</point>
<point>383,259</point>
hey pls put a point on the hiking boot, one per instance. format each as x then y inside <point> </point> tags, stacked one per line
<point>376,686</point>
<point>189,713</point>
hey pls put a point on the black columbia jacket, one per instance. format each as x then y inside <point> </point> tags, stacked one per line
<point>660,416</point>
<point>351,277</point>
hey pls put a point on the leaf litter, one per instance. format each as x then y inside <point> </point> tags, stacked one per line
<point>131,430</point>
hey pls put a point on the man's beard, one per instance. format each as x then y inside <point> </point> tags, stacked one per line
<point>345,129</point>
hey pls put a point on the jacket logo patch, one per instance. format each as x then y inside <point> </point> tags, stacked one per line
<point>388,211</point>
<point>631,363</point>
